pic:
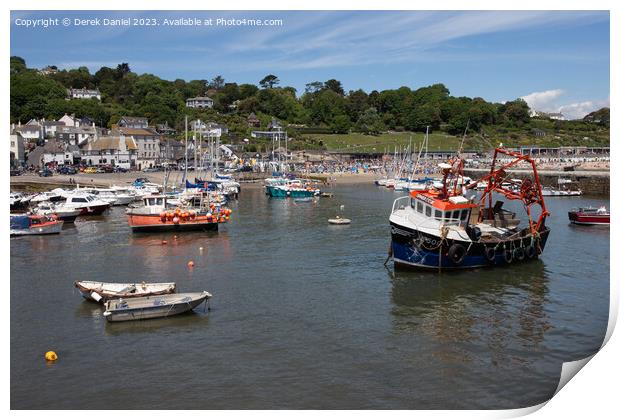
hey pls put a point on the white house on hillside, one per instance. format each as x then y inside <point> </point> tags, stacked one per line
<point>199,102</point>
<point>84,93</point>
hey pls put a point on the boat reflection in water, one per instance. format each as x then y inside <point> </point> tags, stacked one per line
<point>455,306</point>
<point>488,326</point>
<point>179,324</point>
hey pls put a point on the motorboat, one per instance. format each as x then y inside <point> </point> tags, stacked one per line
<point>554,192</point>
<point>88,204</point>
<point>440,228</point>
<point>589,216</point>
<point>19,201</point>
<point>100,291</point>
<point>156,215</point>
<point>30,224</point>
<point>114,196</point>
<point>294,188</point>
<point>54,196</point>
<point>148,307</point>
<point>62,212</point>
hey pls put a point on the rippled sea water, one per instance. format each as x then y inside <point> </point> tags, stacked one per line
<point>304,315</point>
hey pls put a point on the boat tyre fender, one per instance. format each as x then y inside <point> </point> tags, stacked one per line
<point>456,253</point>
<point>519,253</point>
<point>473,232</point>
<point>489,253</point>
<point>508,255</point>
<point>530,251</point>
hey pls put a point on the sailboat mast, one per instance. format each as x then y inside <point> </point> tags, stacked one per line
<point>195,148</point>
<point>185,172</point>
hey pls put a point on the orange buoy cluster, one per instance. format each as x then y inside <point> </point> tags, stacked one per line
<point>221,216</point>
<point>177,215</point>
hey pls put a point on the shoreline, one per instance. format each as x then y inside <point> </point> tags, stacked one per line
<point>596,181</point>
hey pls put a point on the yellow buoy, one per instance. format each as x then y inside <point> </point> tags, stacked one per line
<point>51,356</point>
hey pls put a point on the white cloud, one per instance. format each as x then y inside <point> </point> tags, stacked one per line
<point>547,101</point>
<point>542,101</point>
<point>579,110</point>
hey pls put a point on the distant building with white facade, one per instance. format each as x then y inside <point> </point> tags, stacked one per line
<point>76,135</point>
<point>17,149</point>
<point>199,102</point>
<point>117,150</point>
<point>133,122</point>
<point>84,93</point>
<point>550,115</point>
<point>70,120</point>
<point>30,132</point>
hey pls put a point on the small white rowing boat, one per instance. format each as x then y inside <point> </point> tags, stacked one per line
<point>153,306</point>
<point>339,221</point>
<point>100,292</point>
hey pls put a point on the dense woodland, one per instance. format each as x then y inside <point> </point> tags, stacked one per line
<point>324,107</point>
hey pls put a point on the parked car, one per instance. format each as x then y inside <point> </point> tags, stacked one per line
<point>15,172</point>
<point>154,169</point>
<point>45,172</point>
<point>119,169</point>
<point>67,170</point>
<point>90,170</point>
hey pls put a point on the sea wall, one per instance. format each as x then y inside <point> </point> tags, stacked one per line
<point>590,182</point>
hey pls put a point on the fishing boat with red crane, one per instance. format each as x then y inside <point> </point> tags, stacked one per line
<point>155,216</point>
<point>439,228</point>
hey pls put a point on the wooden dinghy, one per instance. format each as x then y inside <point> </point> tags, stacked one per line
<point>153,306</point>
<point>339,221</point>
<point>101,292</point>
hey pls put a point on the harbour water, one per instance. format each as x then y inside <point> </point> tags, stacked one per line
<point>304,315</point>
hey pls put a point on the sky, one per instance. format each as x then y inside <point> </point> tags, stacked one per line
<point>558,61</point>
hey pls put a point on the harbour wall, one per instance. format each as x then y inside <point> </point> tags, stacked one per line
<point>590,182</point>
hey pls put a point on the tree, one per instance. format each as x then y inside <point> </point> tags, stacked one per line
<point>30,93</point>
<point>269,81</point>
<point>341,124</point>
<point>356,103</point>
<point>121,70</point>
<point>515,112</point>
<point>246,90</point>
<point>18,64</point>
<point>314,87</point>
<point>217,83</point>
<point>370,122</point>
<point>335,86</point>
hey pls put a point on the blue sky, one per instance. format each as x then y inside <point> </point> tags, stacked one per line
<point>556,60</point>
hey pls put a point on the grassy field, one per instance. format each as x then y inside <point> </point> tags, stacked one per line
<point>591,136</point>
<point>355,142</point>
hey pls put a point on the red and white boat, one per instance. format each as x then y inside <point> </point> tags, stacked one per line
<point>589,216</point>
<point>29,224</point>
<point>155,215</point>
